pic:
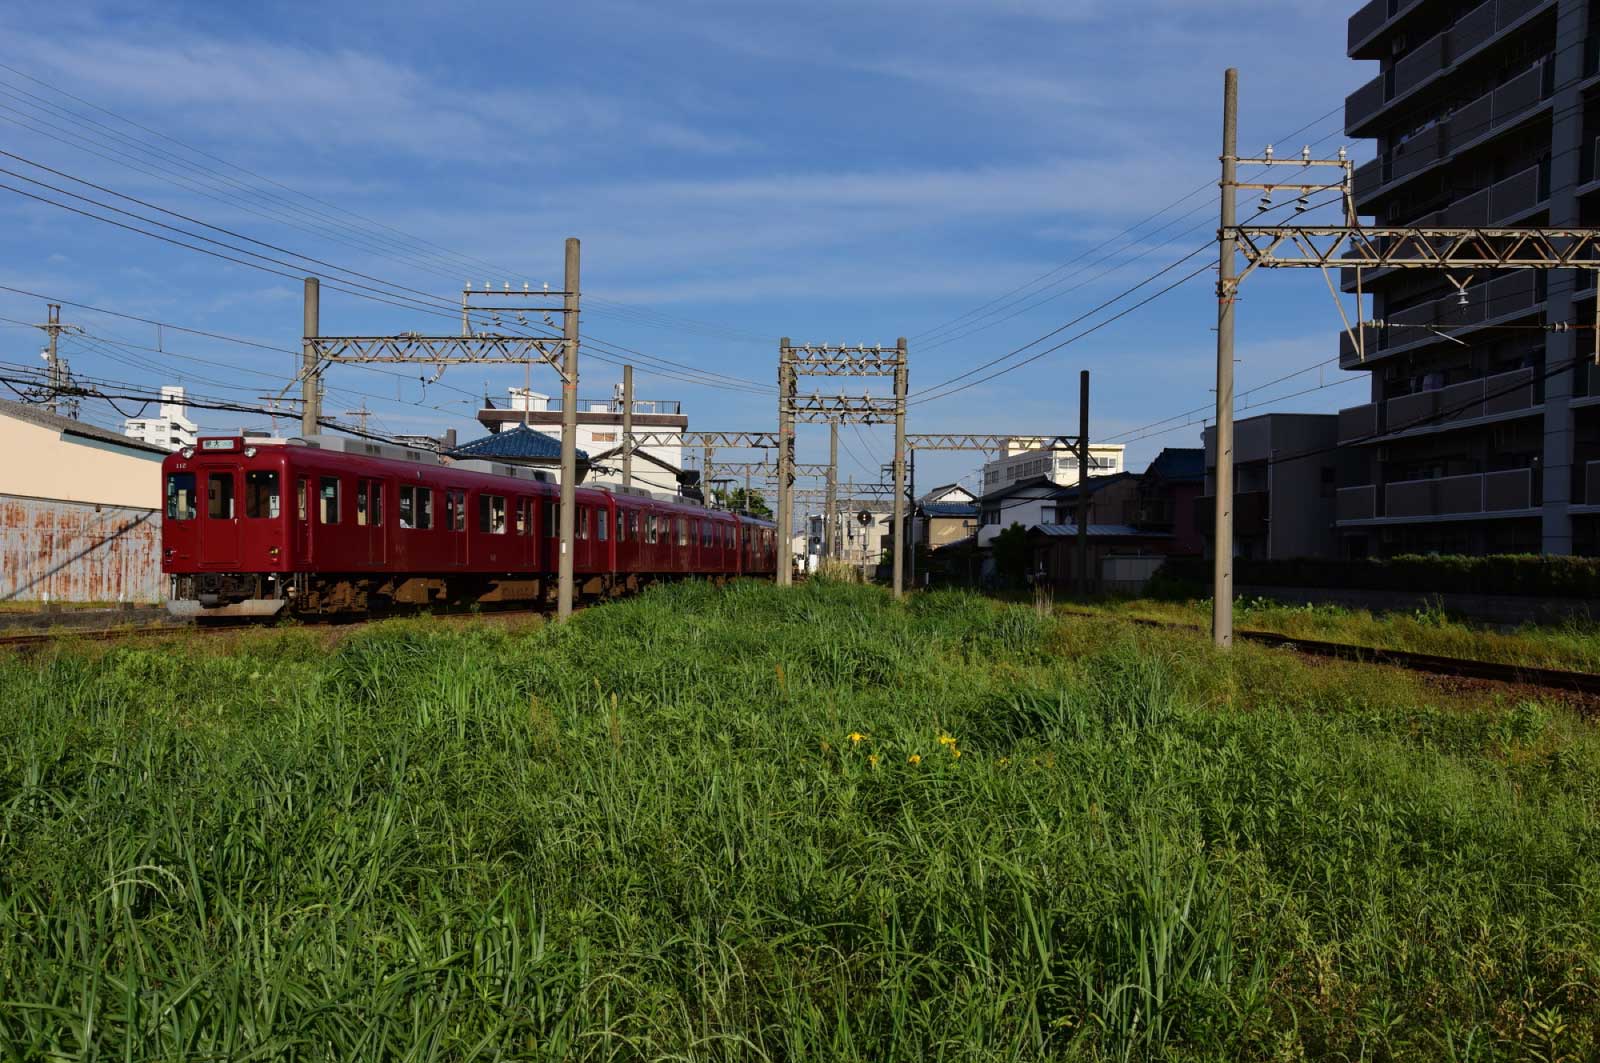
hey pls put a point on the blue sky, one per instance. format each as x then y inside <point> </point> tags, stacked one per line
<point>833,171</point>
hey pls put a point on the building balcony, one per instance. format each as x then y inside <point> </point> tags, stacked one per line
<point>1425,63</point>
<point>1356,503</point>
<point>1440,320</point>
<point>1373,21</point>
<point>1505,203</point>
<point>1591,484</point>
<point>1494,492</point>
<point>1499,397</point>
<point>1466,128</point>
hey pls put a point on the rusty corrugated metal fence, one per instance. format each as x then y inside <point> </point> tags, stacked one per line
<point>54,551</point>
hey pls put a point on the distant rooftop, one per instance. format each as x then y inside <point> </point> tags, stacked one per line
<point>519,443</point>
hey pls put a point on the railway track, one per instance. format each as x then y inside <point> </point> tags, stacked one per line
<point>1586,683</point>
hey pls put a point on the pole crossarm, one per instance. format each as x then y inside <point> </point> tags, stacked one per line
<point>717,440</point>
<point>438,350</point>
<point>981,441</point>
<point>1371,247</point>
<point>766,470</point>
<point>822,408</point>
<point>827,360</point>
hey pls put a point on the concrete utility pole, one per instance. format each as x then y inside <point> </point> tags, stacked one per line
<point>627,426</point>
<point>830,511</point>
<point>911,498</point>
<point>569,430</point>
<point>1083,482</point>
<point>52,356</point>
<point>706,454</point>
<point>361,417</point>
<point>786,381</point>
<point>310,397</point>
<point>1227,288</point>
<point>900,536</point>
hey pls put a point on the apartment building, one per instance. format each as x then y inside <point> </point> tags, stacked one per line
<point>1482,429</point>
<point>1285,468</point>
<point>600,432</point>
<point>1054,459</point>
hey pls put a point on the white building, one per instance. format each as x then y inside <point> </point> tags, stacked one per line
<point>1054,459</point>
<point>171,430</point>
<point>600,431</point>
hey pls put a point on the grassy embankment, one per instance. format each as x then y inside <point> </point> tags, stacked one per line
<point>801,826</point>
<point>1573,645</point>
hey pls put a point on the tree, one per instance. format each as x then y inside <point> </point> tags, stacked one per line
<point>734,499</point>
<point>1011,555</point>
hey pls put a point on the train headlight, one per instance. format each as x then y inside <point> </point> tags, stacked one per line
<point>249,452</point>
<point>187,452</point>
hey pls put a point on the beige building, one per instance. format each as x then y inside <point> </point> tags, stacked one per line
<point>80,516</point>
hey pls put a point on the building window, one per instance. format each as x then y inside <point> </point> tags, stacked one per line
<point>605,437</point>
<point>261,494</point>
<point>180,496</point>
<point>328,499</point>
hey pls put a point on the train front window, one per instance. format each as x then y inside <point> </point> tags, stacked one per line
<point>219,496</point>
<point>261,494</point>
<point>180,496</point>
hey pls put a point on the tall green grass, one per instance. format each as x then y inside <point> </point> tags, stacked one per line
<point>803,825</point>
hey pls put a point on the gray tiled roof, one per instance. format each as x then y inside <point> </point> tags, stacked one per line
<point>70,427</point>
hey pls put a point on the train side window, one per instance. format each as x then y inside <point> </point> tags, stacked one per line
<point>455,510</point>
<point>650,528</point>
<point>633,525</point>
<point>683,532</point>
<point>361,503</point>
<point>375,504</point>
<point>369,502</point>
<point>261,494</point>
<point>622,526</point>
<point>601,525</point>
<point>328,497</point>
<point>552,519</point>
<point>300,494</point>
<point>219,495</point>
<point>581,528</point>
<point>416,507</point>
<point>492,514</point>
<point>180,496</point>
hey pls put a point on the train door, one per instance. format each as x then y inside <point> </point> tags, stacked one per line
<point>455,524</point>
<point>369,520</point>
<point>302,521</point>
<point>219,539</point>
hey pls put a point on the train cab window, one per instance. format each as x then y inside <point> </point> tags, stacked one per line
<point>219,495</point>
<point>552,519</point>
<point>180,496</point>
<point>369,502</point>
<point>492,514</point>
<point>416,507</point>
<point>328,500</point>
<point>261,494</point>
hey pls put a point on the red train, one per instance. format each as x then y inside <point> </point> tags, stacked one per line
<point>327,526</point>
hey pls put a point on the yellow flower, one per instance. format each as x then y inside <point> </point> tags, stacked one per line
<point>856,738</point>
<point>915,758</point>
<point>872,759</point>
<point>954,752</point>
<point>946,740</point>
<point>1003,761</point>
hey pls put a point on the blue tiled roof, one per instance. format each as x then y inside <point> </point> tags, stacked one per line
<point>1179,463</point>
<point>948,509</point>
<point>520,443</point>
